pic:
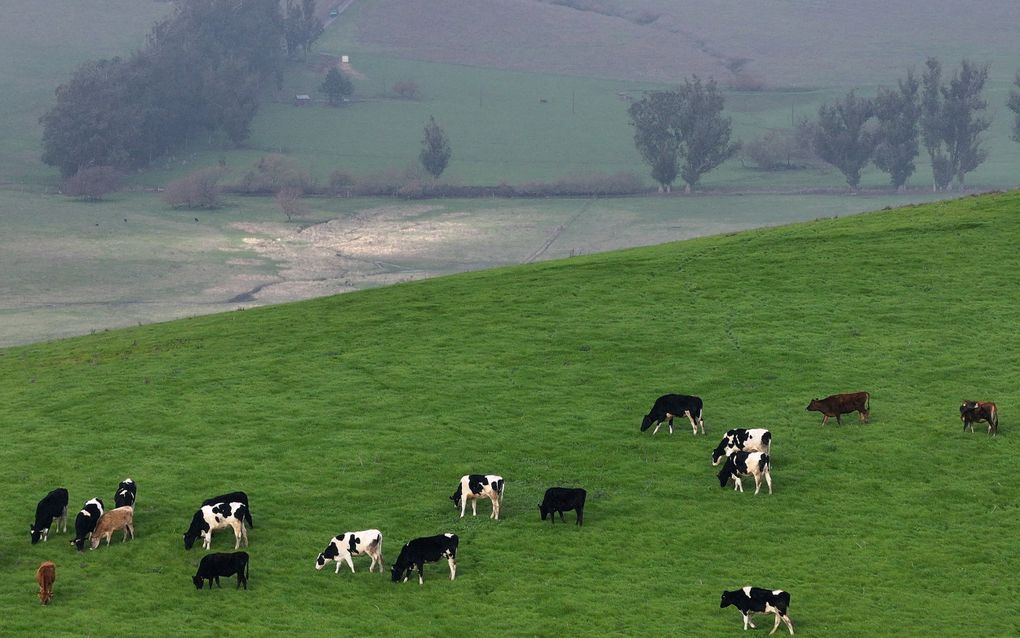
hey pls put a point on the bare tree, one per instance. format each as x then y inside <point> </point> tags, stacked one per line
<point>199,189</point>
<point>288,199</point>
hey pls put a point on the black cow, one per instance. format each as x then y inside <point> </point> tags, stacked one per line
<point>755,600</point>
<point>670,405</point>
<point>233,497</point>
<point>972,412</point>
<point>428,549</point>
<point>52,507</point>
<point>563,499</point>
<point>126,493</point>
<point>86,521</point>
<point>212,566</point>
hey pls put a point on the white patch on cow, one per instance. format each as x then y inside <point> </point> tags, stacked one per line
<point>747,591</point>
<point>488,491</point>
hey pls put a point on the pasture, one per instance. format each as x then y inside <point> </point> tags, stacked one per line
<point>363,410</point>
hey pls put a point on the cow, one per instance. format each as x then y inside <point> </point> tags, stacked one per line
<point>756,600</point>
<point>837,404</point>
<point>212,566</point>
<point>86,520</point>
<point>233,497</point>
<point>126,493</point>
<point>739,464</point>
<point>44,576</point>
<point>348,544</point>
<point>213,517</point>
<point>741,440</point>
<point>972,412</point>
<point>428,549</point>
<point>113,520</point>
<point>52,507</point>
<point>563,499</point>
<point>477,486</point>
<point>671,405</point>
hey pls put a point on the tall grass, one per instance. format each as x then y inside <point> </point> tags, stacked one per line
<point>363,411</point>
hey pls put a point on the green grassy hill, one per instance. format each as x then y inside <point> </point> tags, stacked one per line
<point>363,410</point>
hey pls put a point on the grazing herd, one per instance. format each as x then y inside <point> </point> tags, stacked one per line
<point>742,452</point>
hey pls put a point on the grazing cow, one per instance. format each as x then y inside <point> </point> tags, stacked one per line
<point>563,499</point>
<point>86,521</point>
<point>233,497</point>
<point>670,405</point>
<point>126,492</point>
<point>837,404</point>
<point>428,549</point>
<point>972,412</point>
<point>52,507</point>
<point>476,486</point>
<point>44,576</point>
<point>348,544</point>
<point>212,566</point>
<point>755,600</point>
<point>741,440</point>
<point>113,520</point>
<point>739,464</point>
<point>209,518</point>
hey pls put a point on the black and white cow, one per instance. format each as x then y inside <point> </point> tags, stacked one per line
<point>755,600</point>
<point>85,522</point>
<point>476,486</point>
<point>126,492</point>
<point>563,499</point>
<point>671,405</point>
<point>344,546</point>
<point>233,497</point>
<point>739,464</point>
<point>213,517</point>
<point>741,440</point>
<point>212,566</point>
<point>428,549</point>
<point>52,507</point>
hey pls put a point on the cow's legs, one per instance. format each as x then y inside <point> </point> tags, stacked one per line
<point>562,520</point>
<point>838,421</point>
<point>474,507</point>
<point>63,520</point>
<point>337,561</point>
<point>690,418</point>
<point>775,626</point>
<point>789,623</point>
<point>580,515</point>
<point>350,562</point>
<point>453,567</point>
<point>737,485</point>
<point>757,483</point>
<point>463,505</point>
<point>825,419</point>
<point>421,573</point>
<point>670,423</point>
<point>657,426</point>
<point>768,479</point>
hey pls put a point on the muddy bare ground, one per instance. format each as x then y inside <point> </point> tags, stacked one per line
<point>69,270</point>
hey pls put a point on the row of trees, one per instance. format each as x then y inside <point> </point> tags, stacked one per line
<point>301,27</point>
<point>683,133</point>
<point>948,117</point>
<point>201,70</point>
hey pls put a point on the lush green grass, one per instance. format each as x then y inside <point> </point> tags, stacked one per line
<point>363,410</point>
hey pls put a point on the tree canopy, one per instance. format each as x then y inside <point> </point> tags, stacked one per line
<point>336,86</point>
<point>953,119</point>
<point>435,149</point>
<point>898,112</point>
<point>201,69</point>
<point>842,137</point>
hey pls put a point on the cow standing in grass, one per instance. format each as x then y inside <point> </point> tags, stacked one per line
<point>44,577</point>
<point>86,521</point>
<point>51,508</point>
<point>473,487</point>
<point>233,497</point>
<point>209,518</point>
<point>126,494</point>
<point>212,566</point>
<point>673,405</point>
<point>121,518</point>
<point>563,499</point>
<point>836,404</point>
<point>740,464</point>
<point>972,412</point>
<point>756,600</point>
<point>741,440</point>
<point>344,546</point>
<point>428,549</point>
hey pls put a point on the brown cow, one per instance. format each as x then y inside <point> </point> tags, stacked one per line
<point>837,404</point>
<point>972,412</point>
<point>45,575</point>
<point>113,520</point>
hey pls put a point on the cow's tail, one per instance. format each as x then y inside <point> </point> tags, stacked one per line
<point>247,516</point>
<point>499,488</point>
<point>246,563</point>
<point>867,401</point>
<point>995,419</point>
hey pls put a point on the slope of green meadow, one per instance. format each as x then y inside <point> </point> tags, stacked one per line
<point>363,410</point>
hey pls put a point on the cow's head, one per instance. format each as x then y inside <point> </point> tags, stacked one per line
<point>326,555</point>
<point>543,510</point>
<point>725,473</point>
<point>199,581</point>
<point>189,540</point>
<point>79,544</point>
<point>456,498</point>
<point>727,599</point>
<point>719,453</point>
<point>398,571</point>
<point>647,422</point>
<point>815,406</point>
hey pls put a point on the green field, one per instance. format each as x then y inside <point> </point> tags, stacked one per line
<point>363,410</point>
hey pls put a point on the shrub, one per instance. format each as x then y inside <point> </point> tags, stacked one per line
<point>288,199</point>
<point>275,172</point>
<point>341,183</point>
<point>90,184</point>
<point>406,89</point>
<point>199,189</point>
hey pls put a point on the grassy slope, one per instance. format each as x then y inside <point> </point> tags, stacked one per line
<point>362,410</point>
